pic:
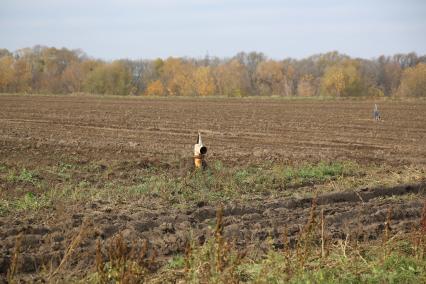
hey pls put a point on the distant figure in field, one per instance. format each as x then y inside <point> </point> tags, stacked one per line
<point>376,113</point>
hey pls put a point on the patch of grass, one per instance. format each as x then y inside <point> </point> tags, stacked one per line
<point>321,172</point>
<point>83,184</point>
<point>176,262</point>
<point>29,201</point>
<point>24,176</point>
<point>160,186</point>
<point>3,168</point>
<point>4,207</point>
<point>63,171</point>
<point>219,183</point>
<point>64,167</point>
<point>396,268</point>
<point>94,168</point>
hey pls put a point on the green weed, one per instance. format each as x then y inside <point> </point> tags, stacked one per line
<point>84,184</point>
<point>321,172</point>
<point>3,168</point>
<point>63,171</point>
<point>177,262</point>
<point>24,176</point>
<point>29,201</point>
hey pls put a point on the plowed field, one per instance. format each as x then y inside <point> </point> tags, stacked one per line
<point>92,143</point>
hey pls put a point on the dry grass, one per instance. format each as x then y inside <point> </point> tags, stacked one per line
<point>14,261</point>
<point>120,262</point>
<point>75,242</point>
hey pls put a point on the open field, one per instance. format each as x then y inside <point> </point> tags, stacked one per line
<point>241,130</point>
<point>77,169</point>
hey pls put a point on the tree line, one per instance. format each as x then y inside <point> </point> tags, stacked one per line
<point>62,71</point>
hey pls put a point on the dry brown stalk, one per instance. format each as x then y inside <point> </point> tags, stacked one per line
<point>219,239</point>
<point>387,225</point>
<point>100,264</point>
<point>311,220</point>
<point>286,242</point>
<point>418,235</point>
<point>322,234</point>
<point>188,255</point>
<point>152,259</point>
<point>423,218</point>
<point>304,239</point>
<point>360,197</point>
<point>286,250</point>
<point>144,250</point>
<point>344,245</point>
<point>117,251</point>
<point>386,234</point>
<point>14,261</point>
<point>75,242</point>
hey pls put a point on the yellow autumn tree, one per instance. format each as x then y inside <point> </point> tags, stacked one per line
<point>413,81</point>
<point>272,79</point>
<point>6,73</point>
<point>204,82</point>
<point>155,88</point>
<point>342,79</point>
<point>177,76</point>
<point>23,75</point>
<point>109,78</point>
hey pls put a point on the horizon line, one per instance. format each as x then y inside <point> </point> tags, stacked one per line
<point>214,56</point>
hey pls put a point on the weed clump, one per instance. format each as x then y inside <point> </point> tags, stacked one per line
<point>121,263</point>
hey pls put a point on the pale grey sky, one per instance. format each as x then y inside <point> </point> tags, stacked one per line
<point>112,29</point>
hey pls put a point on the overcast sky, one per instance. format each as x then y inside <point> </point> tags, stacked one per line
<point>113,29</point>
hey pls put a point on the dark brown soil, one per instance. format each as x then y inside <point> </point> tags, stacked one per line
<point>44,129</point>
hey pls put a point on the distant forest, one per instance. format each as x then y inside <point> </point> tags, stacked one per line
<point>62,71</point>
